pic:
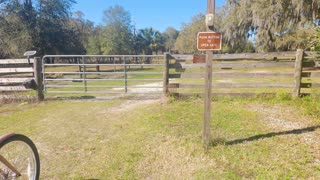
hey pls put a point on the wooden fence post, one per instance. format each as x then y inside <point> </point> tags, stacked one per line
<point>38,78</point>
<point>297,73</point>
<point>166,74</point>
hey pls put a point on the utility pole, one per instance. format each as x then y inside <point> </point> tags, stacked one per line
<point>208,77</point>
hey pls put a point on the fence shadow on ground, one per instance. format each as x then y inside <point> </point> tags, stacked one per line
<point>268,135</point>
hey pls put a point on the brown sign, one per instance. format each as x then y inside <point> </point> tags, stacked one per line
<point>209,41</point>
<point>199,58</point>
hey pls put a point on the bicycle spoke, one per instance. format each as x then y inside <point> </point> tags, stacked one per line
<point>21,155</point>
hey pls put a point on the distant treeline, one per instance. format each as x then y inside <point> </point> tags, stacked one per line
<point>259,26</point>
<point>51,28</point>
<point>247,26</point>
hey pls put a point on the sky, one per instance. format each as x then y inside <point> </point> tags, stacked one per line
<point>158,14</point>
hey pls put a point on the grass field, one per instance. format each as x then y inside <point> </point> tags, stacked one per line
<point>161,139</point>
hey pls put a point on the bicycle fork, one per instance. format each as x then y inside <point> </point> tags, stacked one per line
<point>12,168</point>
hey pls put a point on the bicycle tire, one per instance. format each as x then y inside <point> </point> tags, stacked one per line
<point>11,140</point>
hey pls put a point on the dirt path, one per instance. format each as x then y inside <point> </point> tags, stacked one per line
<point>280,118</point>
<point>284,121</point>
<point>145,88</point>
<point>131,102</point>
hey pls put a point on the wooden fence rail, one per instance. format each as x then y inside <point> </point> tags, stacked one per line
<point>17,75</point>
<point>253,73</point>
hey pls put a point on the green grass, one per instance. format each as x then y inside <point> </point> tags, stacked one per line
<point>251,138</point>
<point>162,140</point>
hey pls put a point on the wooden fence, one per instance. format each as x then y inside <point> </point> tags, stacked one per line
<point>17,75</point>
<point>246,74</point>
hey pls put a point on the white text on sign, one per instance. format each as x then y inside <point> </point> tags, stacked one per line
<point>209,41</point>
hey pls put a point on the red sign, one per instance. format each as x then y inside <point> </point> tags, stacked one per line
<point>208,41</point>
<point>199,58</point>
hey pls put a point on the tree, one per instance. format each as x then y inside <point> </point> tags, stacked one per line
<point>83,28</point>
<point>54,35</point>
<point>150,40</point>
<point>15,37</point>
<point>170,37</point>
<point>275,25</point>
<point>94,42</point>
<point>144,40</point>
<point>117,36</point>
<point>43,25</point>
<point>187,39</point>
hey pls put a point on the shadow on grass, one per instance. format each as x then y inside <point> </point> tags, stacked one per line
<point>220,141</point>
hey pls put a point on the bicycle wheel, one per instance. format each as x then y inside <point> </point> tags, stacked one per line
<point>22,154</point>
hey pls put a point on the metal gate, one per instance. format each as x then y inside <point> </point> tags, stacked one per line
<point>103,74</point>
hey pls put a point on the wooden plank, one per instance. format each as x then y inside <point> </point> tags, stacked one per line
<point>256,56</point>
<point>17,75</point>
<point>232,75</point>
<point>237,65</point>
<point>15,61</point>
<point>310,69</point>
<point>225,94</point>
<point>251,74</point>
<point>234,85</point>
<point>252,85</point>
<point>15,65</point>
<point>254,65</point>
<point>15,70</point>
<point>14,80</point>
<point>315,85</point>
<point>12,88</point>
<point>249,56</point>
<point>16,96</point>
<point>245,94</point>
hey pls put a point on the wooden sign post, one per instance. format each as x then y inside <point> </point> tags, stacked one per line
<point>208,78</point>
